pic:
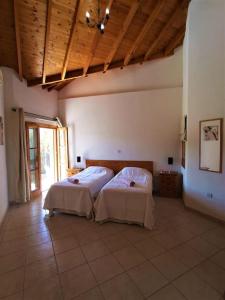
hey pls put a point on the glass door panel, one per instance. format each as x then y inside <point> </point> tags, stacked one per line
<point>48,157</point>
<point>62,152</point>
<point>47,153</point>
<point>32,133</point>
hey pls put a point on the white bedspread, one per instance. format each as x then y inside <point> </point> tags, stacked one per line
<point>78,198</point>
<point>118,201</point>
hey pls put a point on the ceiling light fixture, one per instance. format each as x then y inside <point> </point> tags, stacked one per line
<point>102,18</point>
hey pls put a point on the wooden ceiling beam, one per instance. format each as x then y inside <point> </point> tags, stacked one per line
<point>62,84</point>
<point>48,86</point>
<point>175,41</point>
<point>164,31</point>
<point>94,46</point>
<point>18,41</point>
<point>151,19</point>
<point>123,31</point>
<point>52,87</point>
<point>71,39</point>
<point>47,34</point>
<point>93,69</point>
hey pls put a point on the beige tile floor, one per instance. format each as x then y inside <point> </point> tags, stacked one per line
<point>69,257</point>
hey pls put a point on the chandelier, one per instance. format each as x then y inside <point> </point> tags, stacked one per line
<point>102,18</point>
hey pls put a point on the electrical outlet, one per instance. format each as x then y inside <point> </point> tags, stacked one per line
<point>209,195</point>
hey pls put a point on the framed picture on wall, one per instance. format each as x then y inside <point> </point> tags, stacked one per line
<point>1,131</point>
<point>185,128</point>
<point>183,146</point>
<point>210,145</point>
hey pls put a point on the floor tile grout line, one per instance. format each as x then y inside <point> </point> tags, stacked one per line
<point>192,270</point>
<point>168,284</point>
<point>24,277</point>
<point>166,249</point>
<point>97,284</point>
<point>57,268</point>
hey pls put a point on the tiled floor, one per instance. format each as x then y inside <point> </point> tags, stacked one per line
<point>69,257</point>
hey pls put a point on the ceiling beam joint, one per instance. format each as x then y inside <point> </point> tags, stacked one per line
<point>78,73</point>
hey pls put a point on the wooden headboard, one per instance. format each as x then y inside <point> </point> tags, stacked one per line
<point>118,165</point>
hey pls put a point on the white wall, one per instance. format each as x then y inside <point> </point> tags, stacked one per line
<point>134,126</point>
<point>131,114</point>
<point>3,179</point>
<point>31,99</point>
<point>204,98</point>
<point>157,74</point>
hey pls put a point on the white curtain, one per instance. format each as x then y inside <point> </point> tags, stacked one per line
<point>23,178</point>
<point>16,154</point>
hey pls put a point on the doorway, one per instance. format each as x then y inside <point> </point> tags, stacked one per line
<point>48,168</point>
<point>47,156</point>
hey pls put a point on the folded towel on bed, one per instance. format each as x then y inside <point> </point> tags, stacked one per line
<point>73,180</point>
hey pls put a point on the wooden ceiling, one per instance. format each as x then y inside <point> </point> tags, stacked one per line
<point>49,43</point>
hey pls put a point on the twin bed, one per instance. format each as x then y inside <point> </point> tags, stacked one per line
<point>96,192</point>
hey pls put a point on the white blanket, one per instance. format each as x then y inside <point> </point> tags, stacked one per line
<point>118,201</point>
<point>78,198</point>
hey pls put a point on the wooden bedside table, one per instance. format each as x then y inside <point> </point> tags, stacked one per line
<point>73,171</point>
<point>170,185</point>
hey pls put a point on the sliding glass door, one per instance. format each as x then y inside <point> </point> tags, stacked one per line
<point>33,153</point>
<point>47,155</point>
<point>49,173</point>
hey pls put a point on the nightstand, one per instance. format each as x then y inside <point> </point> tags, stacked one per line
<point>73,171</point>
<point>170,185</point>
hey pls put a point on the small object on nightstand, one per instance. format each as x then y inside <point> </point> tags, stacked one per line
<point>170,162</point>
<point>170,184</point>
<point>73,171</point>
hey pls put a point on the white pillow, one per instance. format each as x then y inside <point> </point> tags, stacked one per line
<point>96,169</point>
<point>134,171</point>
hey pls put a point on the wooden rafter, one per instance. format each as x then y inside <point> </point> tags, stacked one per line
<point>151,19</point>
<point>92,52</point>
<point>175,41</point>
<point>93,69</point>
<point>123,31</point>
<point>49,86</point>
<point>26,30</point>
<point>62,84</point>
<point>18,41</point>
<point>164,31</point>
<point>47,34</point>
<point>71,39</point>
<point>94,45</point>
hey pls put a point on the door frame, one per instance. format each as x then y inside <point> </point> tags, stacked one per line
<point>28,125</point>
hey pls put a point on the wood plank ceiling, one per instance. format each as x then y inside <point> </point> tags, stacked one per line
<point>49,43</point>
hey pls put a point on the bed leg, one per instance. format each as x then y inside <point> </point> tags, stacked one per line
<point>92,216</point>
<point>51,213</point>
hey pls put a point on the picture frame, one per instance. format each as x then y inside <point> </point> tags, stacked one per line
<point>183,153</point>
<point>185,128</point>
<point>210,145</point>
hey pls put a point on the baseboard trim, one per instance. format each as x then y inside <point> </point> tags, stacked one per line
<point>204,214</point>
